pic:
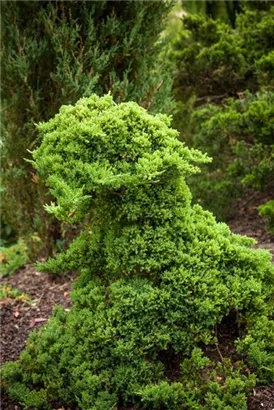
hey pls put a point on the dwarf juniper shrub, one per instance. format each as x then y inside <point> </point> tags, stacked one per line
<point>157,276</point>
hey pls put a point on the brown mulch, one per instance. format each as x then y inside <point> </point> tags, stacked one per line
<point>262,398</point>
<point>19,319</point>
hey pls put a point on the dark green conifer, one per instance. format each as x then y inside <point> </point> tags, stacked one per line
<point>54,52</point>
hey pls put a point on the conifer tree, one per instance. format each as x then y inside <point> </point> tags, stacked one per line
<point>54,52</point>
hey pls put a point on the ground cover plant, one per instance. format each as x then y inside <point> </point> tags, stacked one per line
<point>7,292</point>
<point>158,277</point>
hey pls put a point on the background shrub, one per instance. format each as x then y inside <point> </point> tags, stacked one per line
<point>238,135</point>
<point>216,65</point>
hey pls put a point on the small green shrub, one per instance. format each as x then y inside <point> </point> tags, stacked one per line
<point>157,275</point>
<point>13,258</point>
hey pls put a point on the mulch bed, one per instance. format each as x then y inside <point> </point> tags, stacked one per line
<point>19,319</point>
<point>262,398</point>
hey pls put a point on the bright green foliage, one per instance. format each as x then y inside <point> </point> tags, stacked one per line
<point>157,276</point>
<point>12,258</point>
<point>53,53</point>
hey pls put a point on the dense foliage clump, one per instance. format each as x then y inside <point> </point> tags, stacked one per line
<point>53,53</point>
<point>158,276</point>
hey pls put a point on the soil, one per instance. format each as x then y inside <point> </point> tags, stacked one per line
<point>19,319</point>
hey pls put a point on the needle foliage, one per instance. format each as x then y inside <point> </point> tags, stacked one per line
<point>53,53</point>
<point>158,277</point>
